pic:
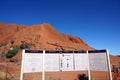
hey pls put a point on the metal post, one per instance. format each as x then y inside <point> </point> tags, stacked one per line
<point>89,76</point>
<point>22,65</point>
<point>109,66</point>
<point>43,72</point>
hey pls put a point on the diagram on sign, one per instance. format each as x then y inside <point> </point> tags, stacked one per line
<point>66,62</point>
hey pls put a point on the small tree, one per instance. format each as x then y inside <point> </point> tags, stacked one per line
<point>82,77</point>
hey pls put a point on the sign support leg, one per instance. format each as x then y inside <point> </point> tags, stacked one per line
<point>21,74</point>
<point>43,72</point>
<point>89,76</point>
<point>109,67</point>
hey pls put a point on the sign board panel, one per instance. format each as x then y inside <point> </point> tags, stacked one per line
<point>98,61</point>
<point>65,60</point>
<point>52,62</point>
<point>32,62</point>
<point>81,61</point>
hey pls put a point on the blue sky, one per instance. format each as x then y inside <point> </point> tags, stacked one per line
<point>97,22</point>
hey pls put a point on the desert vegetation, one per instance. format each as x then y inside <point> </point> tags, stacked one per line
<point>12,50</point>
<point>82,77</point>
<point>3,44</point>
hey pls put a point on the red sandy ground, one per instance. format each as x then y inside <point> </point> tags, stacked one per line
<point>68,75</point>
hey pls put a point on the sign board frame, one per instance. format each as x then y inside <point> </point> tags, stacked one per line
<point>66,60</point>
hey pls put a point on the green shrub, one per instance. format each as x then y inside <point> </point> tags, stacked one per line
<point>12,52</point>
<point>24,46</point>
<point>16,49</point>
<point>3,44</point>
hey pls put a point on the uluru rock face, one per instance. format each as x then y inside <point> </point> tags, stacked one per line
<point>40,36</point>
<point>7,31</point>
